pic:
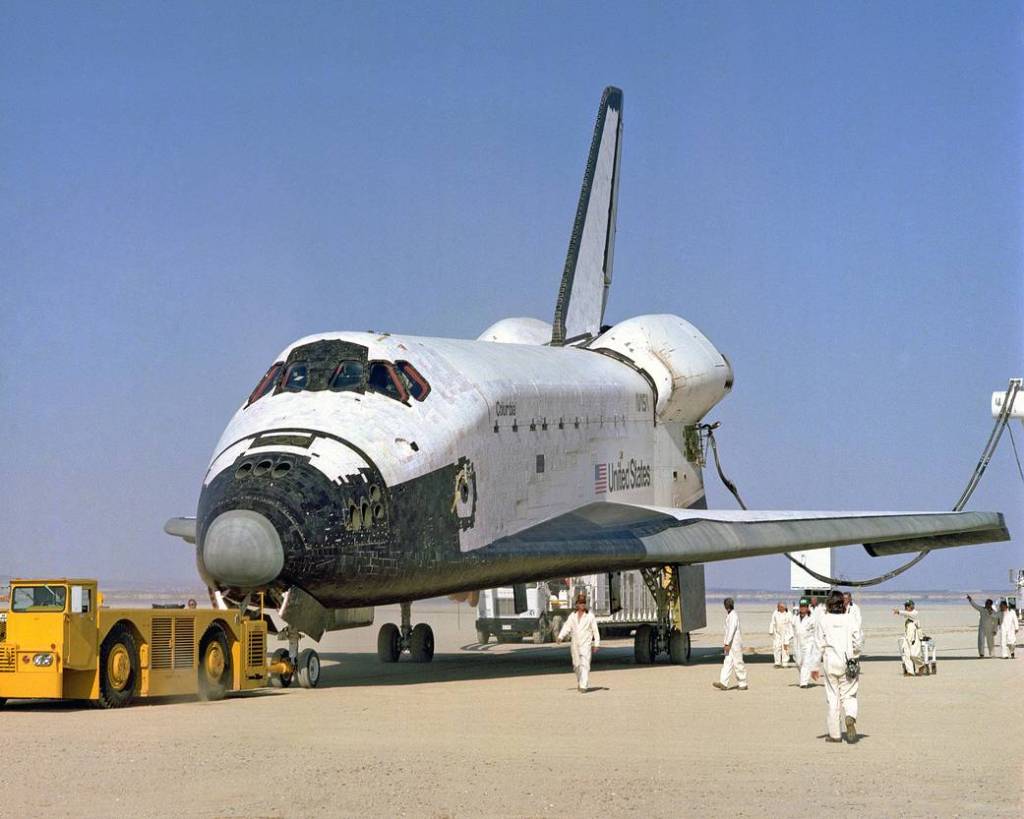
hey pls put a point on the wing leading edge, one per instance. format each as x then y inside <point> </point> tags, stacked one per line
<point>614,536</point>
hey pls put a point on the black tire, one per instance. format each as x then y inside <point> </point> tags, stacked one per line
<point>280,680</point>
<point>643,644</point>
<point>421,644</point>
<point>389,643</point>
<point>119,668</point>
<point>3,701</point>
<point>482,636</point>
<point>679,647</point>
<point>540,636</point>
<point>308,668</point>
<point>214,665</point>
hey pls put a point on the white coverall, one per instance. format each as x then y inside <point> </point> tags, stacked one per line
<point>781,631</point>
<point>988,624</point>
<point>910,642</point>
<point>734,656</point>
<point>1008,625</point>
<point>854,610</point>
<point>584,634</point>
<point>807,656</point>
<point>838,639</point>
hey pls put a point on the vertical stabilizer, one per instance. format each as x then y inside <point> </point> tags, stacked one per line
<point>588,265</point>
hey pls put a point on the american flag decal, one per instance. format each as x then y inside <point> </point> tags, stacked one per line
<point>600,479</point>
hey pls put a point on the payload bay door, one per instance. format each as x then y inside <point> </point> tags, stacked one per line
<point>818,560</point>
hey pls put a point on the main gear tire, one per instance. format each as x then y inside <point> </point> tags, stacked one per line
<point>389,643</point>
<point>679,647</point>
<point>421,643</point>
<point>214,665</point>
<point>643,644</point>
<point>119,668</point>
<point>308,668</point>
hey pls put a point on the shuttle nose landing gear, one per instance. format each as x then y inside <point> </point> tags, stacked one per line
<point>287,664</point>
<point>418,641</point>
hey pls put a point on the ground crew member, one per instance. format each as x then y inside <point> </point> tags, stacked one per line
<point>1008,625</point>
<point>988,623</point>
<point>581,626</point>
<point>817,608</point>
<point>733,645</point>
<point>852,608</point>
<point>839,640</point>
<point>804,641</point>
<point>910,642</point>
<point>781,631</point>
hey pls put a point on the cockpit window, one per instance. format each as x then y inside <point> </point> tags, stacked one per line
<point>415,383</point>
<point>348,376</point>
<point>296,377</point>
<point>384,379</point>
<point>266,383</point>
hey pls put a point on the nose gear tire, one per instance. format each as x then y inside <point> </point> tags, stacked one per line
<point>308,670</point>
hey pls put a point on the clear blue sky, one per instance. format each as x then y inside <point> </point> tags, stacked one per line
<point>831,192</point>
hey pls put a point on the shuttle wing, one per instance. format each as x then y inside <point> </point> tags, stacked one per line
<point>588,264</point>
<point>615,536</point>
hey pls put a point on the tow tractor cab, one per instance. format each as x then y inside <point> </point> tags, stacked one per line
<point>61,643</point>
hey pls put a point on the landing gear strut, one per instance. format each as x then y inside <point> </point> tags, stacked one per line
<point>418,640</point>
<point>666,636</point>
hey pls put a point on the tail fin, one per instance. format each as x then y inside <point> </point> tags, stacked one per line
<point>588,265</point>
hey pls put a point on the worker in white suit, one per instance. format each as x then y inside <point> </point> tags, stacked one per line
<point>839,640</point>
<point>803,640</point>
<point>911,650</point>
<point>581,627</point>
<point>988,624</point>
<point>817,608</point>
<point>733,649</point>
<point>781,631</point>
<point>852,608</point>
<point>1008,625</point>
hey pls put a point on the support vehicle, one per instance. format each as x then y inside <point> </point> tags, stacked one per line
<point>60,642</point>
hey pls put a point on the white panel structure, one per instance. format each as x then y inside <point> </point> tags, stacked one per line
<point>819,560</point>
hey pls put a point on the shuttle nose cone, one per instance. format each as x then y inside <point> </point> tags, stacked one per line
<point>242,548</point>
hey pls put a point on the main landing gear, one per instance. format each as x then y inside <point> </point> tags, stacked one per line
<point>418,641</point>
<point>666,636</point>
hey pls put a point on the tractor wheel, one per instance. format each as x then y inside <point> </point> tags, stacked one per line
<point>421,644</point>
<point>119,668</point>
<point>214,665</point>
<point>482,635</point>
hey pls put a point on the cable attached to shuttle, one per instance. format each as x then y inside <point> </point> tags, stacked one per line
<point>1002,421</point>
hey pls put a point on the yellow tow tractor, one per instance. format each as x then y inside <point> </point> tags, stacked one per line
<point>59,642</point>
